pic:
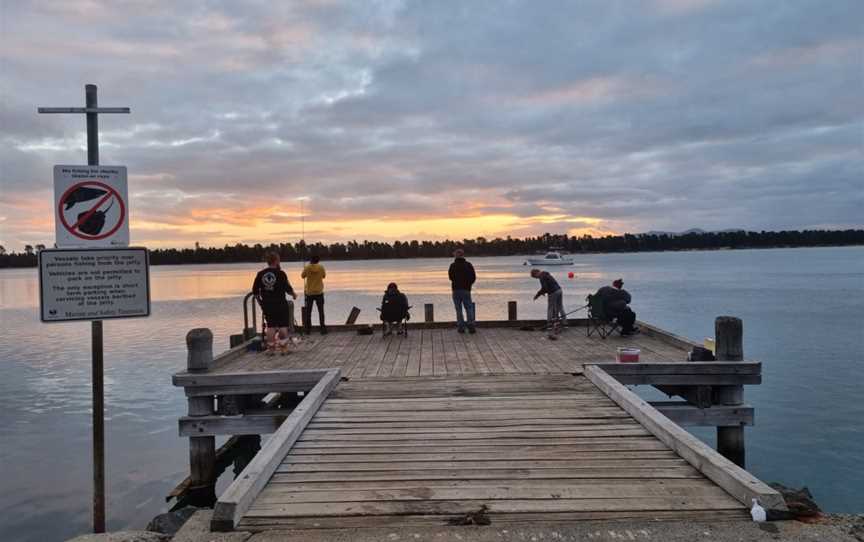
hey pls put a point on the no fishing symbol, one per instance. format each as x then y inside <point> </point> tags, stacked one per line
<point>91,208</point>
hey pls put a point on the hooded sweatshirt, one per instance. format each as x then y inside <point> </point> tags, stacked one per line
<point>314,274</point>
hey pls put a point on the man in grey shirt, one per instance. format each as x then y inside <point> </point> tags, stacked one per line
<point>555,315</point>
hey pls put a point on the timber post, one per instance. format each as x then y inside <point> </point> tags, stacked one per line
<point>729,346</point>
<point>429,312</point>
<point>202,450</point>
<point>511,311</point>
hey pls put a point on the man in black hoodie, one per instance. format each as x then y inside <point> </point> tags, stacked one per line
<point>271,288</point>
<point>462,277</point>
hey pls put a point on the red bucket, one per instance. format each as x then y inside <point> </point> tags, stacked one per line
<point>628,355</point>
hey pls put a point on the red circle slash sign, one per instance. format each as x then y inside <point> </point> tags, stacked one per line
<point>73,228</point>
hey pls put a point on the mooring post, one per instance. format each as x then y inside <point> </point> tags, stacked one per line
<point>429,312</point>
<point>511,311</point>
<point>729,346</point>
<point>202,450</point>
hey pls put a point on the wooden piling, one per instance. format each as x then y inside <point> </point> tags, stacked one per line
<point>202,450</point>
<point>729,337</point>
<point>429,312</point>
<point>511,311</point>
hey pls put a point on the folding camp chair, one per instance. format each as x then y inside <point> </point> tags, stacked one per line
<point>598,321</point>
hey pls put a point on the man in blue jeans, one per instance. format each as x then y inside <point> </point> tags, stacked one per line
<point>462,277</point>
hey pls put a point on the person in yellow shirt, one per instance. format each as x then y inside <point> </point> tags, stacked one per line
<point>314,274</point>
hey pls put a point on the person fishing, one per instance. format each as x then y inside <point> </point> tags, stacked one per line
<point>394,309</point>
<point>616,304</point>
<point>313,290</point>
<point>271,288</point>
<point>462,277</point>
<point>556,318</point>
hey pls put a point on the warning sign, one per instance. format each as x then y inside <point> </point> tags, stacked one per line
<point>93,284</point>
<point>91,206</point>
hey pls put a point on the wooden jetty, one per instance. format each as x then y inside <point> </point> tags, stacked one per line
<point>504,426</point>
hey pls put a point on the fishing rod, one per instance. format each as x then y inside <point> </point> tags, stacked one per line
<point>554,320</point>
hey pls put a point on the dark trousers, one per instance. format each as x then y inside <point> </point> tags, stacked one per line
<point>307,311</point>
<point>626,319</point>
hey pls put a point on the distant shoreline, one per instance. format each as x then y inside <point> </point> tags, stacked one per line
<point>30,261</point>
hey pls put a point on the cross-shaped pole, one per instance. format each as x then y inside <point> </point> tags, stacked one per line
<point>92,111</point>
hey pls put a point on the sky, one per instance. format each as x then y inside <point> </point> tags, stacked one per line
<point>404,120</point>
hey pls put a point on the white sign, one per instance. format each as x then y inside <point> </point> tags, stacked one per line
<point>93,284</point>
<point>91,206</point>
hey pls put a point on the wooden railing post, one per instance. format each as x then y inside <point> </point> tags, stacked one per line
<point>202,450</point>
<point>429,312</point>
<point>729,337</point>
<point>511,311</point>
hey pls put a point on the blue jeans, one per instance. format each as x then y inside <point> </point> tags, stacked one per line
<point>462,298</point>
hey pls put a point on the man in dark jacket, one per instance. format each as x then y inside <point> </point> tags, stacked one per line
<point>556,318</point>
<point>462,277</point>
<point>270,288</point>
<point>616,302</point>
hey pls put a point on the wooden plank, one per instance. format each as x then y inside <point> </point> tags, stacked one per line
<point>517,455</point>
<point>689,379</point>
<point>275,495</point>
<point>580,440</point>
<point>304,377</point>
<point>613,444</point>
<point>406,466</point>
<point>683,368</point>
<point>421,521</point>
<point>683,471</point>
<point>240,494</point>
<point>686,414</point>
<point>455,415</point>
<point>580,425</point>
<point>526,403</point>
<point>672,484</point>
<point>738,482</point>
<point>249,389</point>
<point>594,431</point>
<point>513,506</point>
<point>254,424</point>
<point>445,424</point>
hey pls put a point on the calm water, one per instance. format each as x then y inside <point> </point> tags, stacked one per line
<point>802,309</point>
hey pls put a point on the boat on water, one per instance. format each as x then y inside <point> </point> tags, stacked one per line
<point>551,258</point>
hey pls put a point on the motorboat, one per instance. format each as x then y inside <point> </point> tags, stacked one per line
<point>551,258</point>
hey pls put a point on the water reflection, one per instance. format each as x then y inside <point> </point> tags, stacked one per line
<point>780,294</point>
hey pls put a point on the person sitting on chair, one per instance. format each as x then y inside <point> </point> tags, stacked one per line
<point>616,301</point>
<point>394,308</point>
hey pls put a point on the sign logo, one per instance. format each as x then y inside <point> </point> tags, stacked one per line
<point>87,220</point>
<point>91,206</point>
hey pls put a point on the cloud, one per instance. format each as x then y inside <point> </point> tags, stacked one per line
<point>399,117</point>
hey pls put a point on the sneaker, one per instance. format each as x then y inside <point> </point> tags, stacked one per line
<point>472,330</point>
<point>461,330</point>
<point>323,331</point>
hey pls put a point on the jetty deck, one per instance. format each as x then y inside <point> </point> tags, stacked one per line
<point>437,350</point>
<point>438,428</point>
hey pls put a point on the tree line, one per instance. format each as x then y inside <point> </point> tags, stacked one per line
<point>481,246</point>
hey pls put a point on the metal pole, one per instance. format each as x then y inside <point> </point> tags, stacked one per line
<point>96,333</point>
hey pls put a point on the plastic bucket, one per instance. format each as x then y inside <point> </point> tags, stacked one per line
<point>628,355</point>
